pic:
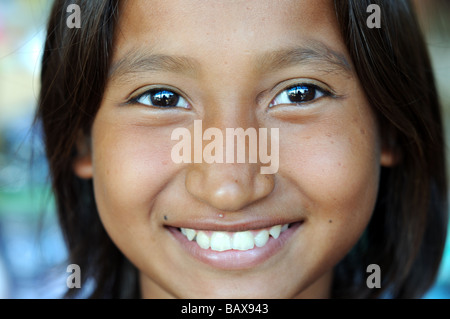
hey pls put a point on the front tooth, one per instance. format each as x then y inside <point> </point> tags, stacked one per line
<point>220,241</point>
<point>285,226</point>
<point>243,240</point>
<point>203,240</point>
<point>190,233</point>
<point>275,231</point>
<point>261,238</point>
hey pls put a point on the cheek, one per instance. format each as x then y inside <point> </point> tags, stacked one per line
<point>336,168</point>
<point>131,165</point>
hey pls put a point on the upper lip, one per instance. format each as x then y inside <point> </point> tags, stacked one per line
<point>232,226</point>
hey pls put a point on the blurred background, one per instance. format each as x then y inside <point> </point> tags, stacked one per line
<point>32,252</point>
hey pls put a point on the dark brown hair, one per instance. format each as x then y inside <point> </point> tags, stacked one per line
<point>407,232</point>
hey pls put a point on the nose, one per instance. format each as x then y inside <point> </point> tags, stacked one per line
<point>231,185</point>
<point>228,187</point>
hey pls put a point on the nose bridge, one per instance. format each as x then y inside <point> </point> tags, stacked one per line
<point>235,181</point>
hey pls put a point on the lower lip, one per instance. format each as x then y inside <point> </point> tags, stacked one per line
<point>236,259</point>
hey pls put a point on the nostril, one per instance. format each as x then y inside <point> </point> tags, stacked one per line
<point>230,197</point>
<point>227,187</point>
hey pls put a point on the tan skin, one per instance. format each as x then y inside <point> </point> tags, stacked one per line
<point>330,150</point>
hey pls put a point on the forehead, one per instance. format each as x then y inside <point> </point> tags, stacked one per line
<point>217,28</point>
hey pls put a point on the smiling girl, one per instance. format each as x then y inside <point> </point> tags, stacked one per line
<point>361,175</point>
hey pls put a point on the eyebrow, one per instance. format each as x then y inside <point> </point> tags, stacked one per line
<point>314,53</point>
<point>138,61</point>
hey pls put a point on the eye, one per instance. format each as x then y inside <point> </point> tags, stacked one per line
<point>299,94</point>
<point>161,98</point>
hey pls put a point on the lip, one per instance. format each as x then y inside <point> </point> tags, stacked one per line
<point>235,259</point>
<point>232,226</point>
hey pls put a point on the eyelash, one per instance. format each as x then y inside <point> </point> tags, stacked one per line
<point>302,89</point>
<point>169,97</point>
<point>166,96</point>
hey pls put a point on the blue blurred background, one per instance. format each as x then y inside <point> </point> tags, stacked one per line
<point>32,252</point>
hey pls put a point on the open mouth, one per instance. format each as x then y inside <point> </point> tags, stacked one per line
<point>234,249</point>
<point>242,240</point>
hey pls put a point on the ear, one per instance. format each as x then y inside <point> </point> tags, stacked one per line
<point>82,163</point>
<point>389,157</point>
<point>390,153</point>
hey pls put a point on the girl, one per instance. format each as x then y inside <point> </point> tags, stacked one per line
<point>361,178</point>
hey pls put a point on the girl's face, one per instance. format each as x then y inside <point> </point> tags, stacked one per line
<point>233,64</point>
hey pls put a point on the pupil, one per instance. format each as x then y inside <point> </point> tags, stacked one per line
<point>164,98</point>
<point>298,94</point>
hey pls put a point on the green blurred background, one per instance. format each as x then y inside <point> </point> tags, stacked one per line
<point>32,253</point>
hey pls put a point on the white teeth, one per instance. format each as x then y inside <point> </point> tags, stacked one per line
<point>189,233</point>
<point>220,241</point>
<point>203,240</point>
<point>244,240</point>
<point>261,238</point>
<point>275,231</point>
